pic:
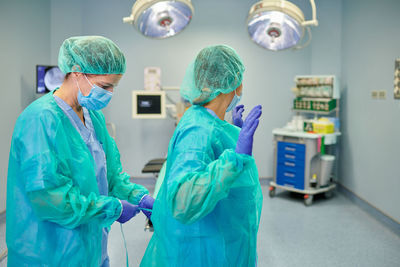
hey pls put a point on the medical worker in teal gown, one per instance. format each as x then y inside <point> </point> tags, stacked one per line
<point>65,182</point>
<point>208,209</point>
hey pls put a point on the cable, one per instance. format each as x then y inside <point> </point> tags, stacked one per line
<point>126,249</point>
<point>3,255</point>
<point>170,99</point>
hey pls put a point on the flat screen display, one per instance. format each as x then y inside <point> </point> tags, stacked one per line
<point>148,104</point>
<point>48,78</point>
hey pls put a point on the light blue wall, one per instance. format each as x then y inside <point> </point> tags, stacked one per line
<point>327,39</point>
<point>66,21</point>
<point>25,42</point>
<point>371,128</point>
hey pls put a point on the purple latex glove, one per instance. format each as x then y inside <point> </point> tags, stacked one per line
<point>146,205</point>
<point>245,141</point>
<point>128,211</point>
<point>237,116</point>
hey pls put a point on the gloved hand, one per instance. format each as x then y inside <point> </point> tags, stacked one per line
<point>245,141</point>
<point>237,115</point>
<point>128,211</point>
<point>146,205</point>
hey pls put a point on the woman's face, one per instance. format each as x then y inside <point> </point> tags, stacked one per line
<point>107,82</point>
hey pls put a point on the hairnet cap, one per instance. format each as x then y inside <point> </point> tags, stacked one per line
<point>217,69</point>
<point>92,55</point>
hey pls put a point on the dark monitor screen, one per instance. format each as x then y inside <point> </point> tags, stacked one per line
<point>148,104</point>
<point>48,78</point>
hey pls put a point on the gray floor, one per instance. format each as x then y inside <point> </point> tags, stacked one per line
<point>332,232</point>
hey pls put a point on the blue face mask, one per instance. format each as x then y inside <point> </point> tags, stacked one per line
<point>98,97</point>
<point>234,102</point>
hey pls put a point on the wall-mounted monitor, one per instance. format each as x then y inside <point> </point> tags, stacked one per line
<point>48,78</point>
<point>148,105</point>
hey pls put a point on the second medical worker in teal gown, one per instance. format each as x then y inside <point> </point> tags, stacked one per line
<point>208,208</point>
<point>65,182</point>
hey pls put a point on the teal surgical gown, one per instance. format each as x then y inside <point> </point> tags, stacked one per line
<point>55,210</point>
<point>89,136</point>
<point>208,209</point>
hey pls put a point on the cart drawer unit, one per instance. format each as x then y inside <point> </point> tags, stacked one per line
<point>290,164</point>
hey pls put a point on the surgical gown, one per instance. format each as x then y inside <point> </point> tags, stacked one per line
<point>209,206</point>
<point>56,211</point>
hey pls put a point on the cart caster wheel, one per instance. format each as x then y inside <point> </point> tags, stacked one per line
<point>328,194</point>
<point>308,199</point>
<point>271,191</point>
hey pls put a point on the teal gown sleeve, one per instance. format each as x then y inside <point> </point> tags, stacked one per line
<point>66,206</point>
<point>196,179</point>
<point>54,196</point>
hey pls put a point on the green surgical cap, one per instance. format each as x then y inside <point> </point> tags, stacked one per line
<point>92,55</point>
<point>216,69</point>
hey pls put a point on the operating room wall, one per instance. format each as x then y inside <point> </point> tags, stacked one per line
<point>66,21</point>
<point>25,42</point>
<point>371,129</point>
<point>267,81</point>
<point>327,39</point>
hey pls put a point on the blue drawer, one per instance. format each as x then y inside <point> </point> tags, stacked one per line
<point>291,151</point>
<point>291,147</point>
<point>290,159</point>
<point>291,163</point>
<point>290,176</point>
<point>290,172</point>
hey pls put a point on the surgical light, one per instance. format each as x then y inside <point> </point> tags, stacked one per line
<point>278,24</point>
<point>160,19</point>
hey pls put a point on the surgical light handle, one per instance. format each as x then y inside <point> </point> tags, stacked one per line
<point>128,19</point>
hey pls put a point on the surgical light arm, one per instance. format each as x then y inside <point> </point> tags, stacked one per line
<point>314,21</point>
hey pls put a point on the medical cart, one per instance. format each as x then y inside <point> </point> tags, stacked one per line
<point>304,160</point>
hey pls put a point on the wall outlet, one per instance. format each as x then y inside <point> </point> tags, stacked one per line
<point>382,94</point>
<point>374,94</point>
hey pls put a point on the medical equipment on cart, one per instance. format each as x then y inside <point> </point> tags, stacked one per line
<point>305,151</point>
